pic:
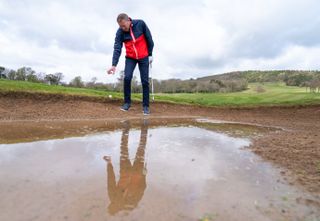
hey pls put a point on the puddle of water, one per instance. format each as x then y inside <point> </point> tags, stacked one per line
<point>28,131</point>
<point>145,173</point>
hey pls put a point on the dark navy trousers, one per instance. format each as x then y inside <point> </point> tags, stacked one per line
<point>144,76</point>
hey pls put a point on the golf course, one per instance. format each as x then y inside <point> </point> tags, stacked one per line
<point>277,125</point>
<point>160,110</point>
<point>273,94</point>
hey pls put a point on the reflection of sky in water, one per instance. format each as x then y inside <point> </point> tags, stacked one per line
<point>186,142</point>
<point>185,168</point>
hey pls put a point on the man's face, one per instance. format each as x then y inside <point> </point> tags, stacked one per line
<point>124,24</point>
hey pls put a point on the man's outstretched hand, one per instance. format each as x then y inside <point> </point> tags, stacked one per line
<point>112,70</point>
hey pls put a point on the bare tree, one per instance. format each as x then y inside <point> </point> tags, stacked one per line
<point>12,75</point>
<point>77,82</point>
<point>54,79</point>
<point>119,84</point>
<point>23,73</point>
<point>314,85</point>
<point>2,75</point>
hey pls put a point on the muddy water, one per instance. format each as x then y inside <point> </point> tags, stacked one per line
<point>142,172</point>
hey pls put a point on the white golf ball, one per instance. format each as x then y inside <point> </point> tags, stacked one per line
<point>110,96</point>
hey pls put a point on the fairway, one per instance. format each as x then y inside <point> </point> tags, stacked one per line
<point>273,94</point>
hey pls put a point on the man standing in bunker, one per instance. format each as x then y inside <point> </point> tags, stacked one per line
<point>136,36</point>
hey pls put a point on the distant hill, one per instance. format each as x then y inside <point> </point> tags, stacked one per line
<point>290,77</point>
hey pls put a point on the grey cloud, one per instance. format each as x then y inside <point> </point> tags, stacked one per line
<point>90,26</point>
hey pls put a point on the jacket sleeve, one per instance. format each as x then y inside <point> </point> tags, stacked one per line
<point>148,36</point>
<point>117,48</point>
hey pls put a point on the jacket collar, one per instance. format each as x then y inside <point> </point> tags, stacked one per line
<point>133,22</point>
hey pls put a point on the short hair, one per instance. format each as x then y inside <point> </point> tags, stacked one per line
<point>122,16</point>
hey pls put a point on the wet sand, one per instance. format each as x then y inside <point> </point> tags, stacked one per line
<point>295,150</point>
<point>145,169</point>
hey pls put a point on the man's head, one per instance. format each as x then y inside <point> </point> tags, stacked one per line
<point>124,21</point>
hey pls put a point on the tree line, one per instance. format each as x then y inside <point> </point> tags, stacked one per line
<point>30,75</point>
<point>227,82</point>
<point>160,86</point>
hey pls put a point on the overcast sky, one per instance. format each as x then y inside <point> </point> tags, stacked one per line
<point>193,38</point>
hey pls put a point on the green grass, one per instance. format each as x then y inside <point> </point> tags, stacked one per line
<point>7,85</point>
<point>274,94</point>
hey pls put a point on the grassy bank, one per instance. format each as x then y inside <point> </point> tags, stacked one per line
<point>273,94</point>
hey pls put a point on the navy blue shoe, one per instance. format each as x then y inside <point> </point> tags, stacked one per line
<point>146,110</point>
<point>125,107</point>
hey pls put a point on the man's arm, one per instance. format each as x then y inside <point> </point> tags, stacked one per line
<point>148,36</point>
<point>117,48</point>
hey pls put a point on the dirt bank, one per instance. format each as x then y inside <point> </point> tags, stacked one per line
<point>296,149</point>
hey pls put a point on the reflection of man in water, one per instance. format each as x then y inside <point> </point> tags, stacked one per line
<point>126,194</point>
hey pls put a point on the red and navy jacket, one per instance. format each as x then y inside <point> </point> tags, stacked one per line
<point>138,42</point>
